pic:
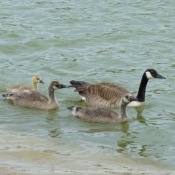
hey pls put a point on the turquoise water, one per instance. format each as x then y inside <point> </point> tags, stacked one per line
<point>93,41</point>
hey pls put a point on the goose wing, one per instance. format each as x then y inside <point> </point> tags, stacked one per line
<point>98,114</point>
<point>30,96</point>
<point>17,88</point>
<point>96,100</point>
<point>100,94</point>
<point>106,91</point>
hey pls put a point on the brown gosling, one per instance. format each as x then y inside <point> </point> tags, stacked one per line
<point>103,115</point>
<point>108,94</point>
<point>21,87</point>
<point>35,99</point>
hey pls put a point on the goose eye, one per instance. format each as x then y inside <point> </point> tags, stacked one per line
<point>127,96</point>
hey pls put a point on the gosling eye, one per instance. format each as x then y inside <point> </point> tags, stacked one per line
<point>37,78</point>
<point>127,96</point>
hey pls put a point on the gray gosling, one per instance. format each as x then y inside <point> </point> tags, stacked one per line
<point>34,99</point>
<point>21,87</point>
<point>103,115</point>
<point>108,94</point>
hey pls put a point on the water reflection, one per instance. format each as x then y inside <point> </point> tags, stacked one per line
<point>117,127</point>
<point>128,143</point>
<point>123,146</point>
<point>51,115</point>
<point>54,133</point>
<point>140,117</point>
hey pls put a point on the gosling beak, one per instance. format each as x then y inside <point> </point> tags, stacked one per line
<point>70,108</point>
<point>41,82</point>
<point>132,98</point>
<point>160,76</point>
<point>62,86</point>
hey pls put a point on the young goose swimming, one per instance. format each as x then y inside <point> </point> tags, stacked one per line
<point>20,87</point>
<point>103,115</point>
<point>107,94</point>
<point>34,99</point>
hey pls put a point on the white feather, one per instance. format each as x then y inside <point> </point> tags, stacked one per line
<point>26,91</point>
<point>54,87</point>
<point>136,103</point>
<point>74,111</point>
<point>148,75</point>
<point>15,90</point>
<point>83,98</point>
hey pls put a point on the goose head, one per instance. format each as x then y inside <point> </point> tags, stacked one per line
<point>152,73</point>
<point>127,98</point>
<point>57,85</point>
<point>74,109</point>
<point>37,79</point>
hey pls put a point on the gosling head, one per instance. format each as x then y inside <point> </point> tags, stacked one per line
<point>57,85</point>
<point>152,73</point>
<point>37,79</point>
<point>74,109</point>
<point>126,99</point>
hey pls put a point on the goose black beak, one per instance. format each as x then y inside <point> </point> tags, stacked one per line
<point>71,86</point>
<point>62,86</point>
<point>41,81</point>
<point>160,76</point>
<point>70,108</point>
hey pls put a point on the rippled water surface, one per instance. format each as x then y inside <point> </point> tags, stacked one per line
<point>94,41</point>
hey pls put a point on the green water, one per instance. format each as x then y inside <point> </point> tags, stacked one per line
<point>93,41</point>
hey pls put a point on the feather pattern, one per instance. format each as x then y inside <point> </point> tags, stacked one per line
<point>102,94</point>
<point>108,94</point>
<point>97,114</point>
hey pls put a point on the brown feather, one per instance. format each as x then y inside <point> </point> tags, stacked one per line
<point>102,94</point>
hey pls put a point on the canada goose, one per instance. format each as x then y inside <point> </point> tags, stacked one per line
<point>20,87</point>
<point>107,94</point>
<point>34,99</point>
<point>103,115</point>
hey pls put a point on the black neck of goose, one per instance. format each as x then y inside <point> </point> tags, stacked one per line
<point>51,94</point>
<point>142,89</point>
<point>123,110</point>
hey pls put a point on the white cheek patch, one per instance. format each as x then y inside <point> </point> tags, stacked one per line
<point>74,111</point>
<point>148,75</point>
<point>125,100</point>
<point>54,87</point>
<point>83,98</point>
<point>8,98</point>
<point>26,91</point>
<point>136,103</point>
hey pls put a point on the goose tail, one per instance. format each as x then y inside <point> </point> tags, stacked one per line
<point>78,83</point>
